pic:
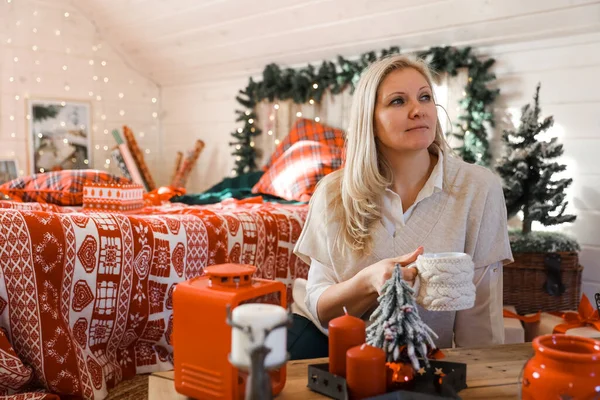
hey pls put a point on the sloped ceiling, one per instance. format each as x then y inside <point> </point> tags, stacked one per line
<point>182,41</point>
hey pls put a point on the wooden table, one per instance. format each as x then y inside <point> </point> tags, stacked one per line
<point>492,373</point>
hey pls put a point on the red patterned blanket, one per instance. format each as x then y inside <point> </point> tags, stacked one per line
<point>85,298</point>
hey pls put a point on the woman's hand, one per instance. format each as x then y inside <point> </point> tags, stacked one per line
<point>376,274</point>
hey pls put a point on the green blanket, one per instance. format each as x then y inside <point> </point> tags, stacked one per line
<point>239,187</point>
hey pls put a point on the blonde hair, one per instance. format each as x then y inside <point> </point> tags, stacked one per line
<point>366,173</point>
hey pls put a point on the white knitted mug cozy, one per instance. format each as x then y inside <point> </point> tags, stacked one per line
<point>445,281</point>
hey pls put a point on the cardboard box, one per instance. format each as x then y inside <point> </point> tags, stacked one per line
<point>513,328</point>
<point>549,321</point>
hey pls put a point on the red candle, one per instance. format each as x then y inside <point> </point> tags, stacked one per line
<point>345,332</point>
<point>366,373</point>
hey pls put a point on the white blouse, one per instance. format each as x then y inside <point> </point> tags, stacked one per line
<point>480,325</point>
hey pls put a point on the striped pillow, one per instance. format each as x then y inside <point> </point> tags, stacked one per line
<point>307,129</point>
<point>295,174</point>
<point>64,188</point>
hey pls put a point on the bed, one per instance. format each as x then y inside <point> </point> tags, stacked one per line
<point>85,298</point>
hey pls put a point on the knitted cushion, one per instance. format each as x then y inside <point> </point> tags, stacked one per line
<point>64,188</point>
<point>307,129</point>
<point>296,173</point>
<point>445,281</point>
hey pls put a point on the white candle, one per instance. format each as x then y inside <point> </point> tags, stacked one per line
<point>259,317</point>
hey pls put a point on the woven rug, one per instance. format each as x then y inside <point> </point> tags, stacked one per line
<point>132,389</point>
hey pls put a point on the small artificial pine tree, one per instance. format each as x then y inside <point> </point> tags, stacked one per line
<point>396,323</point>
<point>527,171</point>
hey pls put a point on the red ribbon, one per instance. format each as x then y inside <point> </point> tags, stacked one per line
<point>530,319</point>
<point>586,315</point>
<point>162,195</point>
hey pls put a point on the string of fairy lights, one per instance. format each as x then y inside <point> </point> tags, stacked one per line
<point>48,62</point>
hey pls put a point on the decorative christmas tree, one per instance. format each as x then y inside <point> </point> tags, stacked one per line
<point>396,324</point>
<point>527,170</point>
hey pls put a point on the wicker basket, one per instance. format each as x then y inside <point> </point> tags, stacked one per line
<point>524,280</point>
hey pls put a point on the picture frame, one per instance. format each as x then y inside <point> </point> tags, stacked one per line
<point>9,170</point>
<point>59,135</point>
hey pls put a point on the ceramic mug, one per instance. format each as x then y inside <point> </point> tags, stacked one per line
<point>444,281</point>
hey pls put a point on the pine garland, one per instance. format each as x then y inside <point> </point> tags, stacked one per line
<point>310,83</point>
<point>396,324</point>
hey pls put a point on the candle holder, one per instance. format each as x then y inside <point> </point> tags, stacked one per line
<point>258,385</point>
<point>441,380</point>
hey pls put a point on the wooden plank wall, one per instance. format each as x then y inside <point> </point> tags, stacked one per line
<point>44,41</point>
<point>537,41</point>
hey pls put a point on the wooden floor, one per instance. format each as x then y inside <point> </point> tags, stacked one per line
<point>132,389</point>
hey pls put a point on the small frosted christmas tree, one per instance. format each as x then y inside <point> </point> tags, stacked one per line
<point>396,324</point>
<point>527,170</point>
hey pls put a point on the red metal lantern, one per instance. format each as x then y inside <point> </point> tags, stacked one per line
<point>202,338</point>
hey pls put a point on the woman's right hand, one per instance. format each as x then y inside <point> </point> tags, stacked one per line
<point>377,274</point>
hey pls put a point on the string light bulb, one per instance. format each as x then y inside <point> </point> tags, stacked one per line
<point>298,114</point>
<point>270,133</point>
<point>276,106</point>
<point>317,119</point>
<point>67,14</point>
<point>315,85</point>
<point>240,130</point>
<point>121,95</point>
<point>311,101</point>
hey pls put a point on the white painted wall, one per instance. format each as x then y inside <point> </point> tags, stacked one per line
<point>44,40</point>
<point>556,43</point>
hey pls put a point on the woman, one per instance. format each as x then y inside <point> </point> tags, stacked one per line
<point>401,193</point>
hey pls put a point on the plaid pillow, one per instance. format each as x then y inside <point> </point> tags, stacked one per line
<point>307,129</point>
<point>64,188</point>
<point>295,174</point>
